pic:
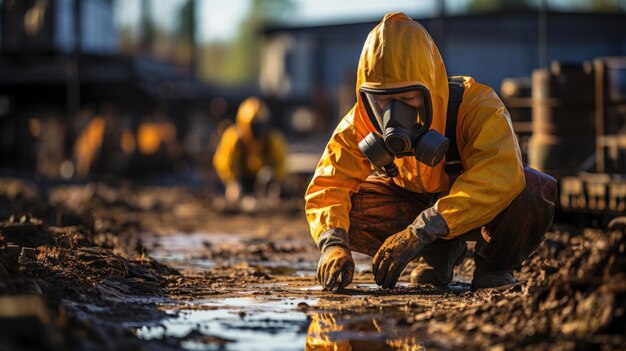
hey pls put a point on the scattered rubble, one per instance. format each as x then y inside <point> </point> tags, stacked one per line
<point>75,272</point>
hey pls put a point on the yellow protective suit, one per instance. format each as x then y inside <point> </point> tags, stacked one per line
<point>88,144</point>
<point>241,155</point>
<point>399,52</point>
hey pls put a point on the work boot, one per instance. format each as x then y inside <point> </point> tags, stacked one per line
<point>440,258</point>
<point>489,277</point>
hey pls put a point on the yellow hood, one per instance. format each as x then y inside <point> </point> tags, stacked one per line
<point>250,110</point>
<point>399,52</point>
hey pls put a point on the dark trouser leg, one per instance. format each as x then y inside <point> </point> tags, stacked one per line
<point>517,231</point>
<point>247,184</point>
<point>379,210</point>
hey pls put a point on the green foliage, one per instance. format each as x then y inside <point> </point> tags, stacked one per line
<point>238,62</point>
<point>490,5</point>
<point>148,27</point>
<point>601,5</point>
<point>187,21</point>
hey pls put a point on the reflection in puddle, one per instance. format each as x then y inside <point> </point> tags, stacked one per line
<point>374,286</point>
<point>331,332</point>
<point>202,251</point>
<point>186,250</point>
<point>271,324</point>
<point>235,324</point>
<point>365,288</point>
<point>282,324</point>
<point>362,263</point>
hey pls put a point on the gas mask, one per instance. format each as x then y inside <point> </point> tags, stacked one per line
<point>259,128</point>
<point>402,129</point>
<point>260,125</point>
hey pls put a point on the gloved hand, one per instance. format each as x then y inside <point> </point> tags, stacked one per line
<point>335,268</point>
<point>393,256</point>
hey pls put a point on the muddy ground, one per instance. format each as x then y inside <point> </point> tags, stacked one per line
<point>124,267</point>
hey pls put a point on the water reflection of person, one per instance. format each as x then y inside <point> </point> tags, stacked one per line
<point>318,337</point>
<point>250,153</point>
<point>328,333</point>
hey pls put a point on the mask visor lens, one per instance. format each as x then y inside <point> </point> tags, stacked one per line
<point>378,102</point>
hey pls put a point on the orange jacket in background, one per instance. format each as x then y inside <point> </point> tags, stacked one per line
<point>239,154</point>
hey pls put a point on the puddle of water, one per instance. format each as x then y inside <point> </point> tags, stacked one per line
<point>460,286</point>
<point>243,323</point>
<point>178,242</point>
<point>240,323</point>
<point>362,263</point>
<point>365,332</point>
<point>186,250</point>
<point>364,287</point>
<point>374,286</point>
<point>277,325</point>
<point>193,252</point>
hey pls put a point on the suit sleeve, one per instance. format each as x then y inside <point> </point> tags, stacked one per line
<point>226,154</point>
<point>490,154</point>
<point>338,175</point>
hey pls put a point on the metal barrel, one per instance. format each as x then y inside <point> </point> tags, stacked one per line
<point>516,95</point>
<point>563,112</point>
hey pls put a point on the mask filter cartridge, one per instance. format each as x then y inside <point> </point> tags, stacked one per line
<point>374,148</point>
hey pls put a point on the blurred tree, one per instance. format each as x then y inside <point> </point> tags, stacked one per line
<point>601,5</point>
<point>487,5</point>
<point>128,32</point>
<point>187,20</point>
<point>145,27</point>
<point>238,62</point>
<point>186,44</point>
<point>148,27</point>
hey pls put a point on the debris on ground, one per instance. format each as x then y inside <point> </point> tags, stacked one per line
<point>77,273</point>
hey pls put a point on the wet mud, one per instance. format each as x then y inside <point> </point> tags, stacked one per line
<point>122,267</point>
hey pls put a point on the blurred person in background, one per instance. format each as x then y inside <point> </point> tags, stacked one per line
<point>250,156</point>
<point>107,144</point>
<point>382,186</point>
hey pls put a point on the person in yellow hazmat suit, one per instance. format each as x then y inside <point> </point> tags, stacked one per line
<point>397,182</point>
<point>250,154</point>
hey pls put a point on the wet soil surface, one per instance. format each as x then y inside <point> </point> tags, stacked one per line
<point>123,267</point>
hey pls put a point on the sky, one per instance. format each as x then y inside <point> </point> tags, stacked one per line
<point>219,19</point>
<point>222,24</point>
